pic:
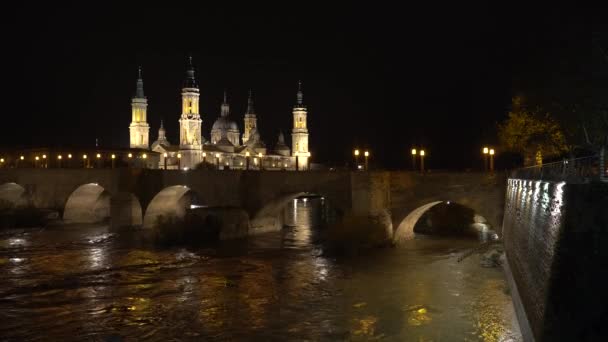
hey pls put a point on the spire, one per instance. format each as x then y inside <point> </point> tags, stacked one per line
<point>161,131</point>
<point>190,81</point>
<point>250,109</point>
<point>225,106</point>
<point>300,95</point>
<point>139,91</point>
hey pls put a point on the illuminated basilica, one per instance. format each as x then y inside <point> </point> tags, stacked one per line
<point>226,148</point>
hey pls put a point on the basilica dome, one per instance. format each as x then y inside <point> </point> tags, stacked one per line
<point>223,123</point>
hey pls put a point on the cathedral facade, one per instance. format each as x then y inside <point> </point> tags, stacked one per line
<point>226,148</point>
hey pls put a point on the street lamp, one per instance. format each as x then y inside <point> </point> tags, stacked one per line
<point>247,154</point>
<point>414,152</point>
<point>44,157</point>
<point>36,161</point>
<point>179,161</point>
<point>366,154</point>
<point>217,160</point>
<point>204,156</point>
<point>113,158</point>
<point>261,161</point>
<point>422,154</point>
<point>165,159</point>
<point>486,150</point>
<point>492,160</point>
<point>59,160</point>
<point>356,157</point>
<point>84,160</point>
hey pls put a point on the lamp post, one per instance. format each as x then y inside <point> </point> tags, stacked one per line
<point>366,154</point>
<point>36,158</point>
<point>492,160</point>
<point>20,159</point>
<point>204,156</point>
<point>44,161</point>
<point>165,155</point>
<point>356,158</point>
<point>247,154</point>
<point>422,154</point>
<point>98,162</point>
<point>179,161</point>
<point>59,160</point>
<point>260,155</point>
<point>414,152</point>
<point>84,161</point>
<point>217,160</point>
<point>486,150</point>
<point>113,159</point>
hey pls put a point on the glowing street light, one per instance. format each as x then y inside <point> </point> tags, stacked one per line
<point>414,153</point>
<point>366,154</point>
<point>59,157</point>
<point>179,160</point>
<point>486,151</point>
<point>217,161</point>
<point>84,161</point>
<point>247,155</point>
<point>422,154</point>
<point>261,161</point>
<point>165,155</point>
<point>492,160</point>
<point>356,152</point>
<point>70,156</point>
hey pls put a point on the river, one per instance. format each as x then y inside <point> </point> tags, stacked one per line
<point>90,283</point>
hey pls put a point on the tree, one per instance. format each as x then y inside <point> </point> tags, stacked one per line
<point>533,133</point>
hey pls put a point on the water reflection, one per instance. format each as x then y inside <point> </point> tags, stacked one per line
<point>87,283</point>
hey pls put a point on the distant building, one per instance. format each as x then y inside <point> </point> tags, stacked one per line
<point>225,149</point>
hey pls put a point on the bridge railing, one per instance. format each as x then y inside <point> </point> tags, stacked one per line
<point>576,170</point>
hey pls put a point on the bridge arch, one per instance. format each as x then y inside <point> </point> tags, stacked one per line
<point>270,216</point>
<point>172,201</point>
<point>89,203</point>
<point>405,229</point>
<point>12,195</point>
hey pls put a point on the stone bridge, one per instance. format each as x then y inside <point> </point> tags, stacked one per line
<point>136,197</point>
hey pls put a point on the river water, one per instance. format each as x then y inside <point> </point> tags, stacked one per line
<point>89,283</point>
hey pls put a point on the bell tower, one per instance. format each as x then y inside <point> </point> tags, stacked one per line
<point>250,119</point>
<point>299,133</point>
<point>190,122</point>
<point>139,130</point>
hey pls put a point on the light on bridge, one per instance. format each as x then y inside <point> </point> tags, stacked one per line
<point>69,156</point>
<point>144,156</point>
<point>491,151</point>
<point>98,156</point>
<point>485,150</point>
<point>59,157</point>
<point>179,156</point>
<point>356,153</point>
<point>84,156</point>
<point>414,151</point>
<point>113,156</point>
<point>130,155</point>
<point>37,158</point>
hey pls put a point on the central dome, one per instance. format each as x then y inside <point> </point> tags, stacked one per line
<point>224,124</point>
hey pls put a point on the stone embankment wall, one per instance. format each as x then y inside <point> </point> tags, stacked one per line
<point>555,240</point>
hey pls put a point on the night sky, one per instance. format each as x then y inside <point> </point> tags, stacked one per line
<point>379,78</point>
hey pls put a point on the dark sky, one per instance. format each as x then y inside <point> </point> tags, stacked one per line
<point>379,78</point>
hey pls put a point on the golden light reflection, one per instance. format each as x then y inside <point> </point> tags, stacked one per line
<point>365,326</point>
<point>419,317</point>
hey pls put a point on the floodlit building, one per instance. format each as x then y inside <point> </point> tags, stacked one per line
<point>226,148</point>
